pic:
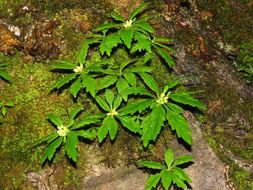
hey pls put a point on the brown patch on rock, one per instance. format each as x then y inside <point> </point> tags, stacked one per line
<point>126,6</point>
<point>202,50</point>
<point>215,106</point>
<point>80,20</point>
<point>43,181</point>
<point>40,43</point>
<point>8,42</point>
<point>205,15</point>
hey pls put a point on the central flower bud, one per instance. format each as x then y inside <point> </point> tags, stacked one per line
<point>62,131</point>
<point>78,69</point>
<point>162,99</point>
<point>112,112</point>
<point>128,23</point>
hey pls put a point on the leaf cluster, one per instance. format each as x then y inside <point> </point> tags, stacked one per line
<point>169,173</point>
<point>67,134</point>
<point>245,59</point>
<point>4,74</point>
<point>126,93</point>
<point>4,106</point>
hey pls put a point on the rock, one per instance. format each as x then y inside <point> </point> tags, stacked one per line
<point>40,43</point>
<point>43,181</point>
<point>8,42</point>
<point>117,179</point>
<point>207,171</point>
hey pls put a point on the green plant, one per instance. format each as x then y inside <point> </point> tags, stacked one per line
<point>136,34</point>
<point>68,134</point>
<point>79,76</point>
<point>245,59</point>
<point>4,74</point>
<point>164,106</point>
<point>126,91</point>
<point>4,106</point>
<point>123,75</point>
<point>169,173</point>
<point>113,116</point>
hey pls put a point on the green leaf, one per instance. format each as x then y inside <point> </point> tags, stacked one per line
<point>4,110</point>
<point>5,75</point>
<point>129,123</point>
<point>124,64</point>
<point>136,91</point>
<point>127,35</point>
<point>95,67</point>
<point>75,87</point>
<point>109,96</point>
<point>117,101</point>
<point>112,125</point>
<point>152,125</point>
<point>179,123</point>
<point>9,104</point>
<point>152,181</point>
<point>107,81</point>
<point>82,54</point>
<point>71,145</point>
<point>49,138</point>
<point>150,82</point>
<point>103,130</point>
<point>142,43</point>
<point>107,26</point>
<point>89,134</point>
<point>91,119</point>
<point>102,103</point>
<point>145,26</point>
<point>168,59</point>
<point>179,182</point>
<point>171,85</point>
<point>151,164</point>
<point>121,85</point>
<point>112,40</point>
<point>138,106</point>
<point>61,64</point>
<point>138,10</point>
<point>166,179</point>
<point>64,81</point>
<point>90,84</point>
<point>50,149</point>
<point>168,49</point>
<point>175,108</point>
<point>147,57</point>
<point>73,112</point>
<point>183,159</point>
<point>140,69</point>
<point>182,174</point>
<point>169,157</point>
<point>55,119</point>
<point>117,17</point>
<point>130,78</point>
<point>164,40</point>
<point>186,98</point>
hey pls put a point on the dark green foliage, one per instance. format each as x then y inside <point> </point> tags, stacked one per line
<point>4,106</point>
<point>4,74</point>
<point>127,94</point>
<point>68,134</point>
<point>245,59</point>
<point>169,173</point>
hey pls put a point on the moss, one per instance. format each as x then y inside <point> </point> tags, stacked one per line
<point>232,18</point>
<point>242,179</point>
<point>26,121</point>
